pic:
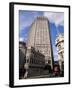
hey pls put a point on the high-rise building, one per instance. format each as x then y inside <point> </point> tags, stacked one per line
<point>40,38</point>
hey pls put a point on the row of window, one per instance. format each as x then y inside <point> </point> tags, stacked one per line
<point>36,61</point>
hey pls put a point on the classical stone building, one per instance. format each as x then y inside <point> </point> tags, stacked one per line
<point>60,48</point>
<point>31,61</point>
<point>35,63</point>
<point>40,38</point>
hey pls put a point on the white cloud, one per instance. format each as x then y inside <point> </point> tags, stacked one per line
<point>21,39</point>
<point>55,17</point>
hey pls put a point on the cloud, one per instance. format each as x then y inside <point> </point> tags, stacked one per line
<point>55,17</point>
<point>21,39</point>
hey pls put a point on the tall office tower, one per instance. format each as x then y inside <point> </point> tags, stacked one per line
<point>39,38</point>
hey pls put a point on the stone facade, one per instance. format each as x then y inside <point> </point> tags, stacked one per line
<point>35,63</point>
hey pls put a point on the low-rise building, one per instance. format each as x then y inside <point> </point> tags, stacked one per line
<point>35,62</point>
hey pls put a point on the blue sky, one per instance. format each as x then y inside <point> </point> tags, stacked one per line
<point>56,20</point>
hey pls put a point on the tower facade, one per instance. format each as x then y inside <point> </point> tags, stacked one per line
<point>39,38</point>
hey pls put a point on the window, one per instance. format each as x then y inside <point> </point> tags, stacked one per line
<point>59,47</point>
<point>27,60</point>
<point>49,61</point>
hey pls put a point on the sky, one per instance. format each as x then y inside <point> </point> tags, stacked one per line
<point>56,20</point>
